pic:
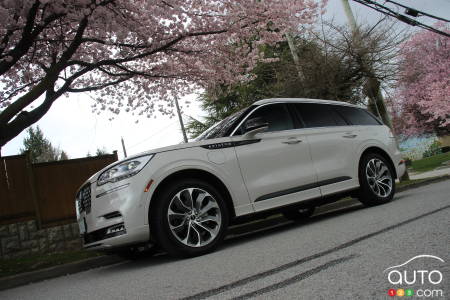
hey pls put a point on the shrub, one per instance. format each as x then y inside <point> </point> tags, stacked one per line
<point>433,149</point>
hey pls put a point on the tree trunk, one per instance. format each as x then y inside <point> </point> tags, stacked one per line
<point>376,101</point>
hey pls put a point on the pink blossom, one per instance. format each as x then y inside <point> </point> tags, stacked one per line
<point>158,48</point>
<point>422,99</point>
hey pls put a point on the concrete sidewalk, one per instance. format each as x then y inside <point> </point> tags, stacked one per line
<point>436,172</point>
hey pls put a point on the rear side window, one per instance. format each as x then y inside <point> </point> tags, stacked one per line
<point>357,116</point>
<point>276,115</point>
<point>319,115</point>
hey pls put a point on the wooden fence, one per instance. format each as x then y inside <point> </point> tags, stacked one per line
<point>44,191</point>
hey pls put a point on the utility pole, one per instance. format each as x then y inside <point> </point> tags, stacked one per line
<point>123,147</point>
<point>295,56</point>
<point>350,17</point>
<point>180,118</point>
<point>372,87</point>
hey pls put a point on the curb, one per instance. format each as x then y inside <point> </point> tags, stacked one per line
<point>423,183</point>
<point>101,261</point>
<point>57,271</point>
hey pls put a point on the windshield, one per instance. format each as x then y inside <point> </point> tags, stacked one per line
<point>221,128</point>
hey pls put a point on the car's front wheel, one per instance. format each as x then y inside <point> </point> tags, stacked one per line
<point>377,182</point>
<point>189,218</point>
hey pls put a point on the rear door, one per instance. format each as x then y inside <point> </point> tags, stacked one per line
<point>333,146</point>
<point>276,166</point>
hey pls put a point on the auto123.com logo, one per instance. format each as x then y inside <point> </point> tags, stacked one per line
<point>416,281</point>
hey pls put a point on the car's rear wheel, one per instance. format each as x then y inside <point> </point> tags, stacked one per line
<point>189,218</point>
<point>377,182</point>
<point>299,214</point>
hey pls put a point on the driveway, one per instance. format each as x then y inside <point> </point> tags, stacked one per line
<point>337,255</point>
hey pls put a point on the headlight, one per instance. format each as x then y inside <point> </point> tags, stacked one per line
<point>124,169</point>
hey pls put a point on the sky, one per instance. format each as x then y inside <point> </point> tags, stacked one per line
<point>71,125</point>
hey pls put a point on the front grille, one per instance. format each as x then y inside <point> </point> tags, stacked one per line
<point>84,198</point>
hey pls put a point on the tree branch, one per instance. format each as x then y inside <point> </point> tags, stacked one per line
<point>28,38</point>
<point>47,82</point>
<point>18,90</point>
<point>100,86</point>
<point>25,119</point>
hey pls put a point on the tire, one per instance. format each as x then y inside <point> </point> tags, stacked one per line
<point>299,214</point>
<point>376,179</point>
<point>184,231</point>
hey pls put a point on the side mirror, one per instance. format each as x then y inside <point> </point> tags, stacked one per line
<point>255,125</point>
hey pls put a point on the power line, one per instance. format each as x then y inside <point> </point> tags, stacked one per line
<point>413,10</point>
<point>387,11</point>
<point>155,134</point>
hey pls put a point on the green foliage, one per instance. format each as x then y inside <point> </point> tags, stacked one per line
<point>63,155</point>
<point>101,151</point>
<point>430,163</point>
<point>319,74</point>
<point>433,149</point>
<point>408,162</point>
<point>40,148</point>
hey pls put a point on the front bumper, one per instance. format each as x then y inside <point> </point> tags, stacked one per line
<point>112,215</point>
<point>101,240</point>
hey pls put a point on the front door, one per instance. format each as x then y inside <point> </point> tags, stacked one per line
<point>276,165</point>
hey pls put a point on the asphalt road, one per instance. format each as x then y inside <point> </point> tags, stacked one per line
<point>337,255</point>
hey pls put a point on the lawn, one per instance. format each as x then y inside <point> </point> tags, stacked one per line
<point>40,261</point>
<point>430,163</point>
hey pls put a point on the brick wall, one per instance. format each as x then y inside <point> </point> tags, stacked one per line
<point>24,238</point>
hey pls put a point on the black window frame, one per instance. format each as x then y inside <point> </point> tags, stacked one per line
<point>328,105</point>
<point>237,130</point>
<point>298,120</point>
<point>377,120</point>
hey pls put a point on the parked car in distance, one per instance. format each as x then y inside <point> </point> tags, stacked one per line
<point>278,155</point>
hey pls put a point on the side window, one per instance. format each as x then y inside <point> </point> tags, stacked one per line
<point>276,115</point>
<point>319,115</point>
<point>357,116</point>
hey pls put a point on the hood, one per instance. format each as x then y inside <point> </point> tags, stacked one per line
<point>175,147</point>
<point>156,151</point>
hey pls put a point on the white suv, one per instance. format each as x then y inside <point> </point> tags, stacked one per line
<point>278,155</point>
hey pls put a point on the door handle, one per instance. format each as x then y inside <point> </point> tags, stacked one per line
<point>350,136</point>
<point>292,141</point>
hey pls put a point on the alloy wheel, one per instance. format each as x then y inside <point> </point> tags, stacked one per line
<point>194,217</point>
<point>379,177</point>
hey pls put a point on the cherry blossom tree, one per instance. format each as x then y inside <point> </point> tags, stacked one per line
<point>133,54</point>
<point>422,99</point>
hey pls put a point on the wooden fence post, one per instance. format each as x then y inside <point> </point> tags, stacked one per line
<point>115,155</point>
<point>33,189</point>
